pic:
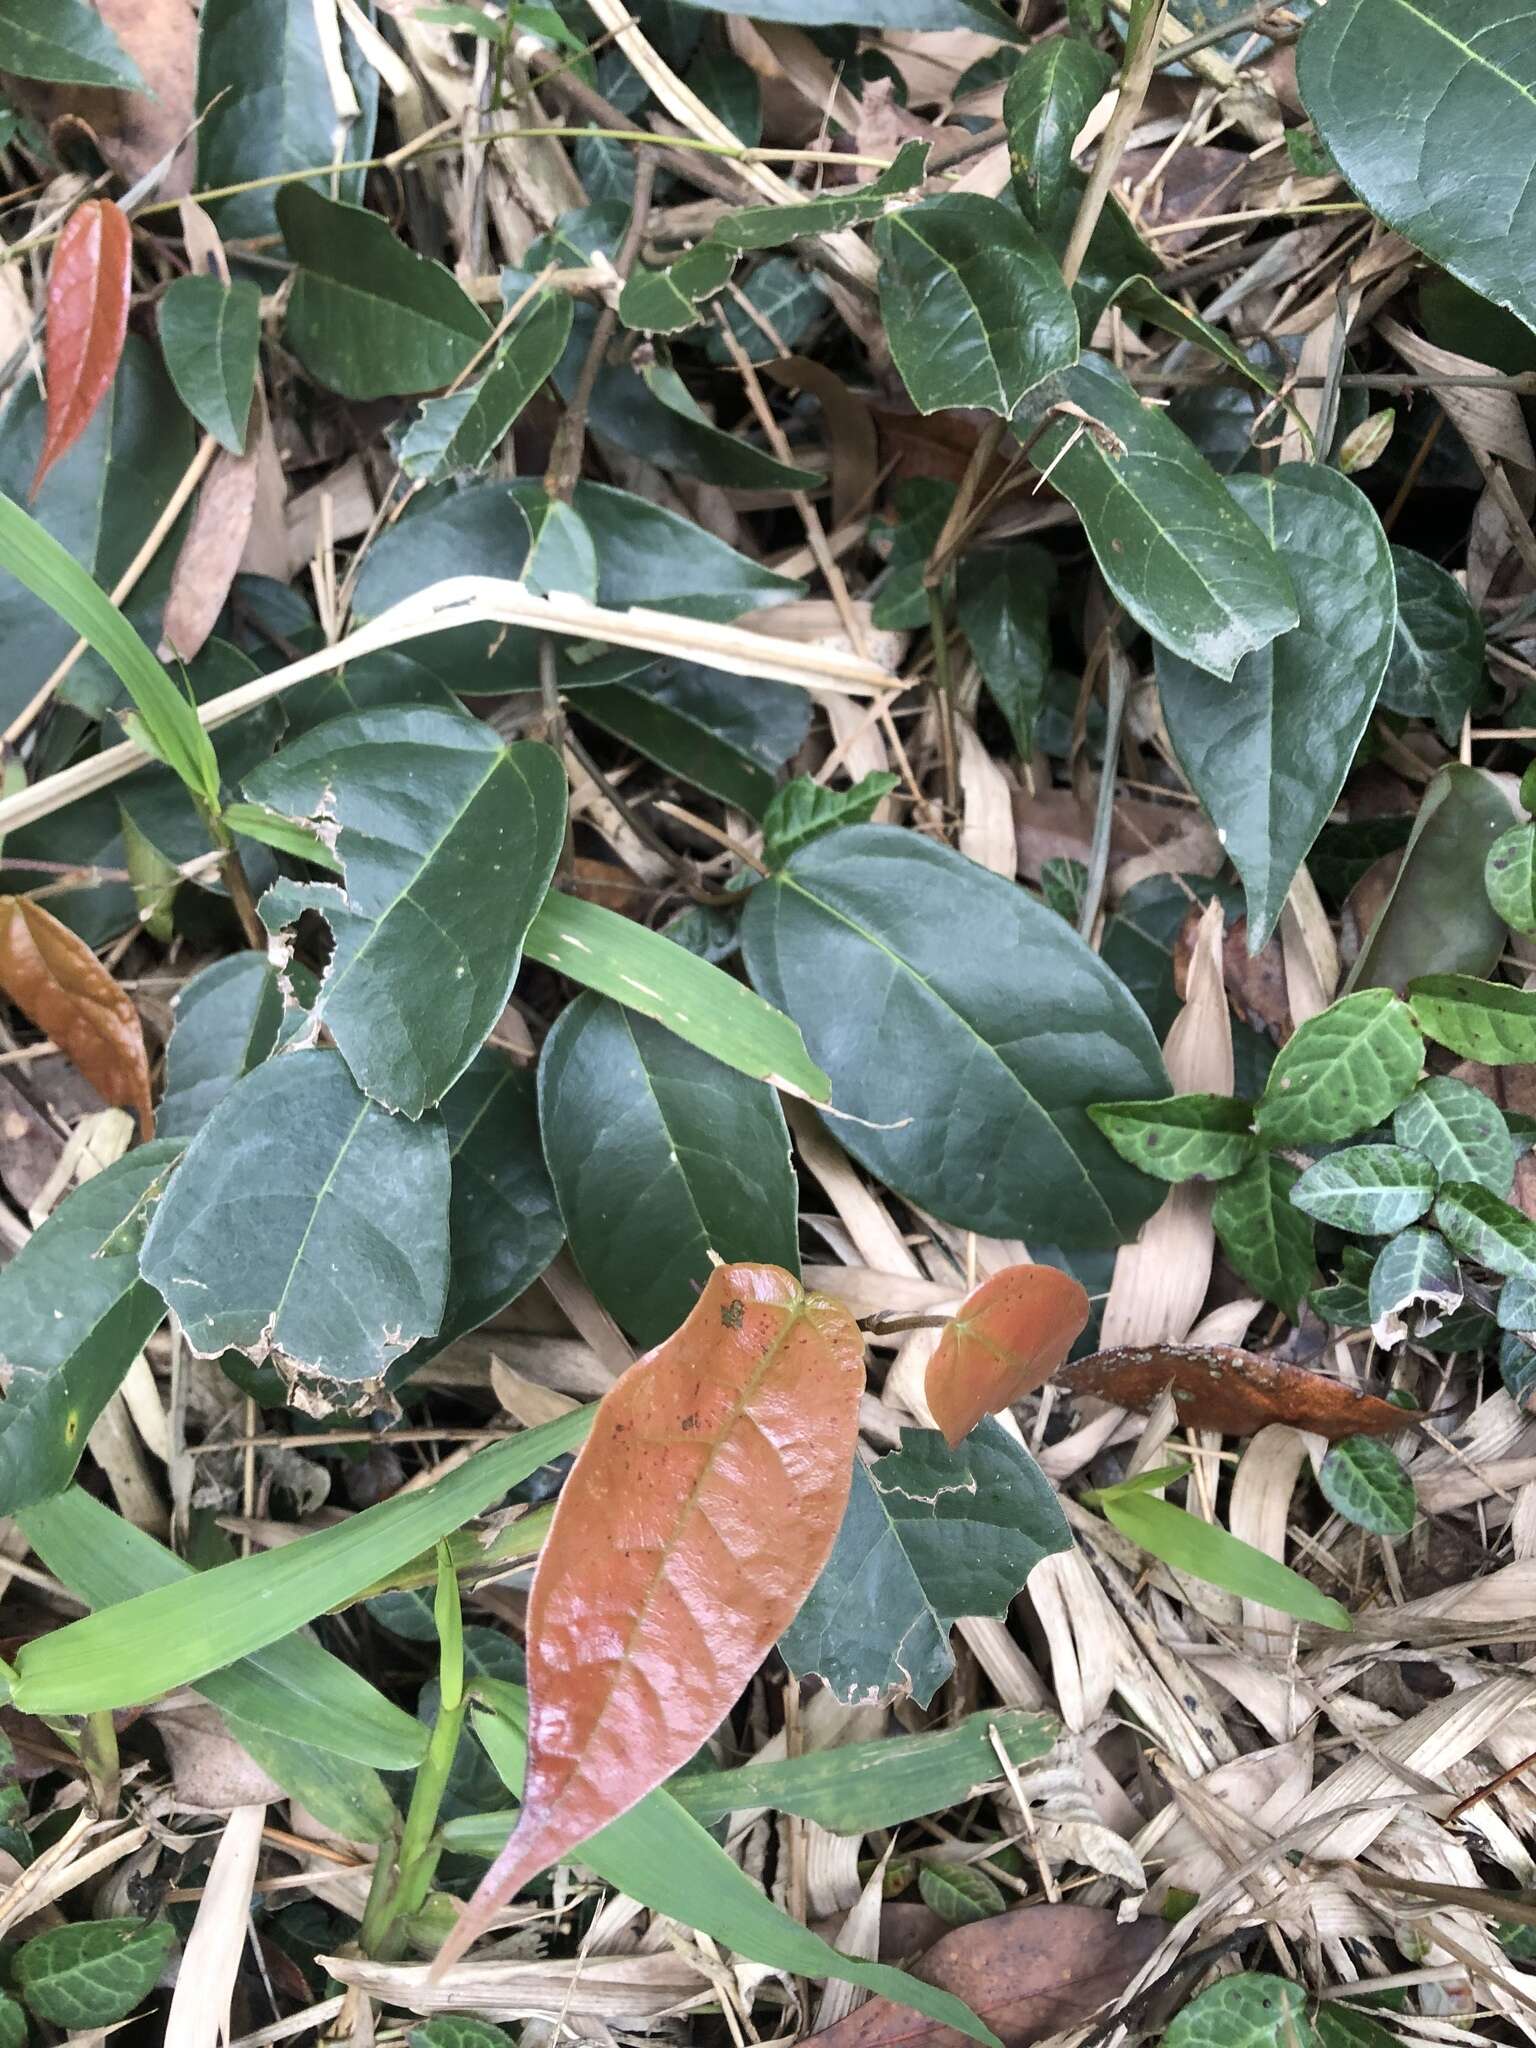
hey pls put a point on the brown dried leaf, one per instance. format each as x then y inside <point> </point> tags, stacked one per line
<point>1218,1386</point>
<point>55,979</point>
<point>211,554</point>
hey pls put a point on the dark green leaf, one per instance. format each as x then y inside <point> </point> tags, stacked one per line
<point>367,316</point>
<point>667,301</point>
<point>1207,1552</point>
<point>924,15</point>
<point>1266,1237</point>
<point>1342,1071</point>
<point>1510,875</point>
<point>791,300</point>
<point>1248,2011</point>
<point>725,734</point>
<point>464,431</point>
<point>1484,1227</point>
<point>959,1894</point>
<point>852,206</point>
<point>72,1321</point>
<point>1338,2026</point>
<point>1436,666</point>
<point>1002,603</point>
<point>937,996</point>
<point>211,334</point>
<point>306,1224</point>
<point>1459,1131</point>
<point>13,2020</point>
<point>1183,1137</point>
<point>1437,918</point>
<point>973,302</point>
<point>1346,1304</point>
<point>1414,1287</point>
<point>456,2029</point>
<point>1055,86</point>
<point>715,456</point>
<point>1363,1480</point>
<point>227,1021</point>
<point>1487,1021</point>
<point>65,41</point>
<point>1178,551</point>
<point>930,1535</point>
<point>1267,748</point>
<point>1375,1189</point>
<point>804,809</point>
<point>93,1973</point>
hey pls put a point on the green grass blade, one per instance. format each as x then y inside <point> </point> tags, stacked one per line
<point>1205,1552</point>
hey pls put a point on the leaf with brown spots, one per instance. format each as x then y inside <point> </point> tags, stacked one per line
<point>55,979</point>
<point>88,290</point>
<point>1008,1337</point>
<point>698,1515</point>
<point>1218,1386</point>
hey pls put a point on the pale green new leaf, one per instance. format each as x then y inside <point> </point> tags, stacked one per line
<point>1375,1189</point>
<point>1342,1071</point>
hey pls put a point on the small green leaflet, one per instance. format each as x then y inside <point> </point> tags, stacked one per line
<point>803,809</point>
<point>667,301</point>
<point>959,1894</point>
<point>64,41</point>
<point>1183,1137</point>
<point>93,1972</point>
<point>1487,1021</point>
<point>1414,1286</point>
<point>1375,1189</point>
<point>1267,1238</point>
<point>1484,1227</point>
<point>1247,2011</point>
<point>768,227</point>
<point>462,432</point>
<point>1206,1552</point>
<point>1363,1480</point>
<point>1510,875</point>
<point>211,335</point>
<point>1459,1130</point>
<point>1342,1072</point>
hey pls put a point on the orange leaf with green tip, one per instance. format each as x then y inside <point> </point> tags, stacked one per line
<point>55,979</point>
<point>697,1517</point>
<point>1008,1338</point>
<point>88,291</point>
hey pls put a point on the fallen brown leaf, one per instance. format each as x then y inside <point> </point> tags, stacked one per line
<point>1218,1386</point>
<point>210,556</point>
<point>55,979</point>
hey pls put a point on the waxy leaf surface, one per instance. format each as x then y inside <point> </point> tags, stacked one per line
<point>88,290</point>
<point>56,980</point>
<point>1008,1337</point>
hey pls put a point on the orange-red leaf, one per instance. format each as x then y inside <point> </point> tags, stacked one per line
<point>88,289</point>
<point>57,981</point>
<point>1218,1386</point>
<point>697,1517</point>
<point>1008,1338</point>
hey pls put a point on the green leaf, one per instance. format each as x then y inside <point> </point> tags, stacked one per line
<point>1517,1305</point>
<point>463,432</point>
<point>177,1634</point>
<point>1486,1021</point>
<point>1182,1137</point>
<point>725,734</point>
<point>924,15</point>
<point>93,1973</point>
<point>791,299</point>
<point>1510,875</point>
<point>973,302</point>
<point>1459,1131</point>
<point>267,108</point>
<point>1342,1071</point>
<point>1435,669</point>
<point>211,334</point>
<point>1267,1239</point>
<point>1248,2011</point>
<point>1375,1189</point>
<point>1206,1552</point>
<point>660,1157</point>
<point>929,1535</point>
<point>64,41</point>
<point>1483,1226</point>
<point>1441,142</point>
<point>712,454</point>
<point>936,996</point>
<point>13,2023</point>
<point>227,1021</point>
<point>851,206</point>
<point>448,840</point>
<point>646,972</point>
<point>1178,550</point>
<point>456,2029</point>
<point>1414,1286</point>
<point>959,1894</point>
<point>1267,747</point>
<point>863,1785</point>
<point>368,317</point>
<point>255,821</point>
<point>72,1321</point>
<point>1363,1480</point>
<point>667,301</point>
<point>804,809</point>
<point>306,1225</point>
<point>1437,918</point>
<point>1346,1304</point>
<point>1338,2026</point>
<point>1002,604</point>
<point>1054,87</point>
<point>1140,297</point>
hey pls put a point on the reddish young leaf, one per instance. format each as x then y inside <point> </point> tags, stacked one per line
<point>697,1517</point>
<point>1008,1338</point>
<point>1217,1386</point>
<point>88,289</point>
<point>55,979</point>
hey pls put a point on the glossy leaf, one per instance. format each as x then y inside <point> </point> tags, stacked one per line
<point>716,1474</point>
<point>1267,746</point>
<point>1483,1226</point>
<point>1217,1386</point>
<point>57,982</point>
<point>368,317</point>
<point>89,285</point>
<point>1459,1130</point>
<point>65,41</point>
<point>448,840</point>
<point>1342,1071</point>
<point>179,1632</point>
<point>1487,1021</point>
<point>464,431</point>
<point>929,1535</point>
<point>72,1321</point>
<point>1364,1481</point>
<point>1002,603</point>
<point>660,1157</point>
<point>306,1225</point>
<point>852,206</point>
<point>1435,669</point>
<point>695,1000</point>
<point>1052,90</point>
<point>1004,1341</point>
<point>1250,2010</point>
<point>227,1021</point>
<point>1437,917</point>
<point>93,1973</point>
<point>1375,1189</point>
<point>936,995</point>
<point>1267,1238</point>
<point>1180,553</point>
<point>1510,875</point>
<point>1184,1137</point>
<point>1414,1286</point>
<point>211,335</point>
<point>804,809</point>
<point>1440,142</point>
<point>1207,1552</point>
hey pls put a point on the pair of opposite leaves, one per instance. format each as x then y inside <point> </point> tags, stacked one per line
<point>697,1517</point>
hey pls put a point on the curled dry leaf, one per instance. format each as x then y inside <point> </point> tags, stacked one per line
<point>88,289</point>
<point>55,979</point>
<point>712,1487</point>
<point>1218,1386</point>
<point>1007,1339</point>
